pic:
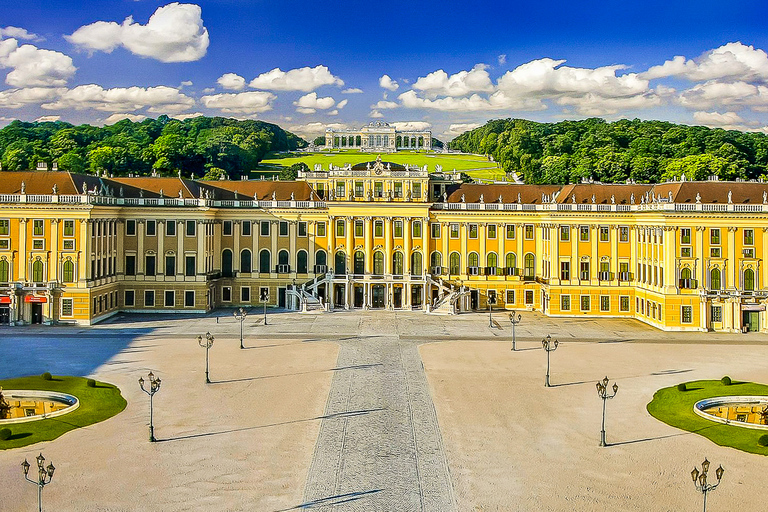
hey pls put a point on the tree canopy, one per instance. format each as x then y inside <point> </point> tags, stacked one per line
<point>644,151</point>
<point>163,145</point>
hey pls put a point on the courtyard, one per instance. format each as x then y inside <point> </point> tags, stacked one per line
<point>381,411</point>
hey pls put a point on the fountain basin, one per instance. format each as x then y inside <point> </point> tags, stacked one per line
<point>739,411</point>
<point>33,405</point>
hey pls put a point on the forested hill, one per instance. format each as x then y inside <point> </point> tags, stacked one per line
<point>645,151</point>
<point>212,145</point>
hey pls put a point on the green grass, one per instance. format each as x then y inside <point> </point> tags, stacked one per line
<point>675,408</point>
<point>96,404</point>
<point>476,166</point>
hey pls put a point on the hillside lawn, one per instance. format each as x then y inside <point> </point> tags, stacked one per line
<point>675,408</point>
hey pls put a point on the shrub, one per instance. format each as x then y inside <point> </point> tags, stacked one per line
<point>726,381</point>
<point>763,441</point>
<point>90,383</point>
<point>47,376</point>
<point>5,434</point>
<point>681,387</point>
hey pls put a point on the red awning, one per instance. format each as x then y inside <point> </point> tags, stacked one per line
<point>35,298</point>
<point>4,299</point>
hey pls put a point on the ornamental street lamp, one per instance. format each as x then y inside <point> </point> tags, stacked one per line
<point>207,344</point>
<point>44,477</point>
<point>549,345</point>
<point>240,315</point>
<point>491,302</point>
<point>515,320</point>
<point>154,387</point>
<point>602,392</point>
<point>700,479</point>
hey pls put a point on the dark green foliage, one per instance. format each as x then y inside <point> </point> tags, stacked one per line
<point>90,383</point>
<point>682,387</point>
<point>47,376</point>
<point>292,172</point>
<point>319,141</point>
<point>166,146</point>
<point>726,381</point>
<point>644,151</point>
<point>763,440</point>
<point>5,434</point>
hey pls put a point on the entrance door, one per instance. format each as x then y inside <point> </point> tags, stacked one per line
<point>435,295</point>
<point>474,297</point>
<point>37,313</point>
<point>377,297</point>
<point>5,314</point>
<point>338,297</point>
<point>397,297</point>
<point>281,297</point>
<point>751,320</point>
<point>416,295</point>
<point>321,292</point>
<point>358,296</point>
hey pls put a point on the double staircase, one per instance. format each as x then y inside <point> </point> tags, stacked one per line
<point>450,294</point>
<point>306,294</point>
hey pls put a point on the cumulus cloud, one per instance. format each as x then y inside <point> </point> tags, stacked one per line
<point>716,119</point>
<point>314,129</point>
<point>310,103</point>
<point>732,60</point>
<point>387,83</point>
<point>342,104</point>
<point>174,33</point>
<point>240,103</point>
<point>19,33</point>
<point>33,66</point>
<point>114,118</point>
<point>502,59</point>
<point>459,84</point>
<point>160,99</point>
<point>18,98</point>
<point>375,114</point>
<point>412,125</point>
<point>182,117</point>
<point>473,103</point>
<point>231,82</point>
<point>385,105</point>
<point>459,128</point>
<point>352,90</point>
<point>187,83</point>
<point>334,112</point>
<point>735,94</point>
<point>302,79</point>
<point>48,119</point>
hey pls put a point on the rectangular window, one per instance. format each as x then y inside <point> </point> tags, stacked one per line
<point>565,303</point>
<point>473,231</point>
<point>435,230</point>
<point>226,229</point>
<point>149,298</point>
<point>623,234</point>
<point>226,294</point>
<point>565,233</point>
<point>340,190</point>
<point>454,231</point>
<point>38,228</point>
<point>339,228</point>
<point>149,265</point>
<point>398,189</point>
<point>605,235</point>
<point>605,303</point>
<point>6,243</point>
<point>529,231</point>
<point>714,252</point>
<point>5,227</point>
<point>378,228</point>
<point>510,231</point>
<point>170,298</point>
<point>749,237</point>
<point>717,313</point>
<point>130,265</point>
<point>302,228</point>
<point>624,303</point>
<point>321,229</point>
<point>245,294</point>
<point>283,227</point>
<point>129,298</point>
<point>686,314</point>
<point>398,224</point>
<point>685,235</point>
<point>265,228</point>
<point>190,270</point>
<point>191,228</point>
<point>189,299</point>
<point>358,189</point>
<point>714,236</point>
<point>510,296</point>
<point>170,228</point>
<point>584,271</point>
<point>38,245</point>
<point>67,307</point>
<point>69,228</point>
<point>245,228</point>
<point>585,303</point>
<point>170,265</point>
<point>378,189</point>
<point>416,188</point>
<point>528,297</point>
<point>151,228</point>
<point>130,227</point>
<point>491,231</point>
<point>358,228</point>
<point>417,229</point>
<point>685,252</point>
<point>584,233</point>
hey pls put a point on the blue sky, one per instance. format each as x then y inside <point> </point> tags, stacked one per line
<point>445,65</point>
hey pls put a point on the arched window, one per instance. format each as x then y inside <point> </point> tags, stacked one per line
<point>245,261</point>
<point>714,279</point>
<point>416,264</point>
<point>358,141</point>
<point>378,263</point>
<point>340,263</point>
<point>226,263</point>
<point>473,260</point>
<point>321,257</point>
<point>398,141</point>
<point>492,260</point>
<point>67,272</point>
<point>421,141</point>
<point>37,271</point>
<point>265,261</point>
<point>5,274</point>
<point>749,280</point>
<point>454,263</point>
<point>397,263</point>
<point>435,260</point>
<point>685,274</point>
<point>282,257</point>
<point>530,264</point>
<point>359,263</point>
<point>301,262</point>
<point>511,260</point>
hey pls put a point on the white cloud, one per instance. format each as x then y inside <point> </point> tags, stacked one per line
<point>716,119</point>
<point>48,119</point>
<point>18,98</point>
<point>387,83</point>
<point>174,33</point>
<point>473,103</point>
<point>459,84</point>
<point>306,110</point>
<point>342,104</point>
<point>209,90</point>
<point>459,128</point>
<point>160,99</point>
<point>385,105</point>
<point>352,90</point>
<point>240,103</point>
<point>231,82</point>
<point>375,114</point>
<point>314,129</point>
<point>114,118</point>
<point>502,59</point>
<point>333,112</point>
<point>310,103</point>
<point>19,33</point>
<point>412,125</point>
<point>182,117</point>
<point>732,60</point>
<point>187,83</point>
<point>715,94</point>
<point>33,66</point>
<point>302,79</point>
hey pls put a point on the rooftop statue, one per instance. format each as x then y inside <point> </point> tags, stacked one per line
<point>613,199</point>
<point>274,196</point>
<point>463,200</point>
<point>698,198</point>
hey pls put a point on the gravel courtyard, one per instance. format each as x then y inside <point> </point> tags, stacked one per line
<point>380,411</point>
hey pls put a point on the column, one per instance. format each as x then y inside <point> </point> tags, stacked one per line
<point>425,235</point>
<point>501,237</point>
<point>594,261</point>
<point>445,235</point>
<point>331,232</point>
<point>311,248</point>
<point>201,236</point>
<point>614,234</point>
<point>119,238</point>
<point>274,231</point>
<point>367,221</point>
<point>701,274</point>
<point>140,249</point>
<point>161,247</point>
<point>575,263</point>
<point>387,246</point>
<point>732,272</point>
<point>765,255</point>
<point>464,251</point>
<point>54,270</point>
<point>519,236</point>
<point>181,262</point>
<point>23,258</point>
<point>407,250</point>
<point>236,247</point>
<point>293,229</point>
<point>350,227</point>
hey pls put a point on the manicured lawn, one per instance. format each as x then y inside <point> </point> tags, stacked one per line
<point>465,163</point>
<point>675,408</point>
<point>96,404</point>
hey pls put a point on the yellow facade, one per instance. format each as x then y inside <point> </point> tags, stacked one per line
<point>677,256</point>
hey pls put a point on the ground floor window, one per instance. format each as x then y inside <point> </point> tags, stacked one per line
<point>717,313</point>
<point>686,314</point>
<point>245,294</point>
<point>528,297</point>
<point>67,307</point>
<point>226,294</point>
<point>149,298</point>
<point>170,298</point>
<point>189,299</point>
<point>585,303</point>
<point>130,298</point>
<point>624,303</point>
<point>605,303</point>
<point>565,302</point>
<point>510,296</point>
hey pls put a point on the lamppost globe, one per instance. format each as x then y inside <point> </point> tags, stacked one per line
<point>700,479</point>
<point>207,344</point>
<point>44,477</point>
<point>240,315</point>
<point>549,345</point>
<point>154,387</point>
<point>514,318</point>
<point>602,393</point>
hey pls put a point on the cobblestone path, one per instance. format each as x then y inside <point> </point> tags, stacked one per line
<point>379,446</point>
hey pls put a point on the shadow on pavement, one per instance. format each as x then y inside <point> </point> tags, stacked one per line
<point>333,500</point>
<point>246,379</point>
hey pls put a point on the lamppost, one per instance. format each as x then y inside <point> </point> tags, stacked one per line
<point>44,477</point>
<point>549,345</point>
<point>491,302</point>
<point>240,314</point>
<point>700,479</point>
<point>154,387</point>
<point>207,344</point>
<point>515,321</point>
<point>264,297</point>
<point>602,392</point>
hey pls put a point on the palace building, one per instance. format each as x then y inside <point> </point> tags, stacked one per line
<point>378,137</point>
<point>377,235</point>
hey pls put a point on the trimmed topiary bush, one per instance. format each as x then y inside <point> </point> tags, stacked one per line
<point>90,383</point>
<point>682,387</point>
<point>726,381</point>
<point>763,441</point>
<point>47,376</point>
<point>5,434</point>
